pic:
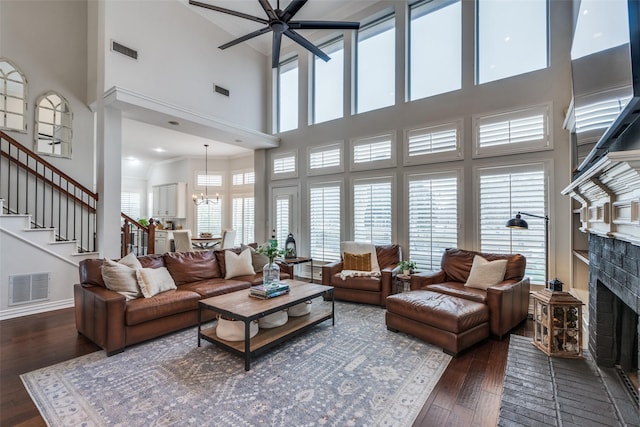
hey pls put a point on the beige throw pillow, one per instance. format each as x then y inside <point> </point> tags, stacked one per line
<point>154,280</point>
<point>257,260</point>
<point>120,278</point>
<point>485,274</point>
<point>238,265</point>
<point>131,260</point>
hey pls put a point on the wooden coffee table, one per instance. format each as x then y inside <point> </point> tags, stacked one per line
<point>240,306</point>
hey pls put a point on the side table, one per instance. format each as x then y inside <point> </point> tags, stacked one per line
<point>299,260</point>
<point>402,283</point>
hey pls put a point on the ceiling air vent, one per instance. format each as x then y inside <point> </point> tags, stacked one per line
<point>127,51</point>
<point>221,90</point>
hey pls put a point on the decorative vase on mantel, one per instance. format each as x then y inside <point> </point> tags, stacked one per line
<point>270,272</point>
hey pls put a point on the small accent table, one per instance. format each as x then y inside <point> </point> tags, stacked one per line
<point>402,283</point>
<point>300,260</point>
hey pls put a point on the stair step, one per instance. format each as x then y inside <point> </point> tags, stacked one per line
<point>42,236</point>
<point>16,222</point>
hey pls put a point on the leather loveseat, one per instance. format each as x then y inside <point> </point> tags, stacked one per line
<point>370,290</point>
<point>114,322</point>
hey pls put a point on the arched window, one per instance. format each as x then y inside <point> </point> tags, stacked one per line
<point>13,97</point>
<point>53,125</point>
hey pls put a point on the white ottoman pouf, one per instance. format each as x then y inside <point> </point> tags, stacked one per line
<point>233,330</point>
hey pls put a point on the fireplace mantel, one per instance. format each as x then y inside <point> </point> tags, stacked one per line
<point>609,195</point>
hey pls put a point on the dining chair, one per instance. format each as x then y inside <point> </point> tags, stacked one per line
<point>228,238</point>
<point>182,241</point>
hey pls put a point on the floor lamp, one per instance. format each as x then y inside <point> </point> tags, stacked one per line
<point>518,222</point>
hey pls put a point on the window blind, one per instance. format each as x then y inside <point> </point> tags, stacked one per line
<point>512,131</point>
<point>211,180</point>
<point>325,158</point>
<point>372,149</point>
<point>243,219</point>
<point>431,140</point>
<point>243,178</point>
<point>209,218</point>
<point>324,222</point>
<point>504,192</point>
<point>433,217</point>
<point>283,215</point>
<point>130,203</point>
<point>372,211</point>
<point>285,164</point>
<point>599,115</point>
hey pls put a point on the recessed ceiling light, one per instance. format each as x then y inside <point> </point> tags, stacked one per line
<point>507,38</point>
<point>174,122</point>
<point>159,150</point>
<point>131,159</point>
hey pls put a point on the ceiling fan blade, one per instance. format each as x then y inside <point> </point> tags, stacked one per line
<point>228,11</point>
<point>323,25</point>
<point>306,44</point>
<point>275,49</point>
<point>292,9</point>
<point>245,37</point>
<point>268,9</point>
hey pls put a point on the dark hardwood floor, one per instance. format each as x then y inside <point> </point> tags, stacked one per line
<point>467,394</point>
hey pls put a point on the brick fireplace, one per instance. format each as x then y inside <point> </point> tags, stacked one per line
<point>614,302</point>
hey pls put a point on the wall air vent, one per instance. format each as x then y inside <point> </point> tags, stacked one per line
<point>26,288</point>
<point>126,51</point>
<point>221,90</point>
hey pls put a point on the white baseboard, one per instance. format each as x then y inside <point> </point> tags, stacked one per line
<point>28,309</point>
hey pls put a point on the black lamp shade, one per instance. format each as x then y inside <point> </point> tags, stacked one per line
<point>517,222</point>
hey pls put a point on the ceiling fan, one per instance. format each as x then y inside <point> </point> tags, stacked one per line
<point>279,21</point>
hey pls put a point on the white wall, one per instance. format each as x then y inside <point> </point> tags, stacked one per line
<point>179,61</point>
<point>549,85</point>
<point>48,41</point>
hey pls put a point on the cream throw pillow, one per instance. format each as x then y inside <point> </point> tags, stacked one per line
<point>238,265</point>
<point>361,248</point>
<point>131,260</point>
<point>154,280</point>
<point>120,278</point>
<point>485,274</point>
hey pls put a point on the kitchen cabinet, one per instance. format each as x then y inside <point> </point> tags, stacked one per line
<point>162,241</point>
<point>169,200</point>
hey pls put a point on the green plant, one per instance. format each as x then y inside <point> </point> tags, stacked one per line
<point>270,251</point>
<point>143,221</point>
<point>407,265</point>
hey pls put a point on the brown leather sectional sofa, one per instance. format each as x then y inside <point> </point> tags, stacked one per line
<point>440,309</point>
<point>113,323</point>
<point>370,290</point>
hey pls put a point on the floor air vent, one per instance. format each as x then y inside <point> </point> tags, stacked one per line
<point>127,51</point>
<point>26,288</point>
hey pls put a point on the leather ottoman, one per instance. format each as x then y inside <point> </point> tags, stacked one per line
<point>452,323</point>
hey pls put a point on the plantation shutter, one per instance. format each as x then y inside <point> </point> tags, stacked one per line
<point>512,131</point>
<point>324,221</point>
<point>209,218</point>
<point>243,219</point>
<point>433,218</point>
<point>211,180</point>
<point>599,115</point>
<point>130,203</point>
<point>372,211</point>
<point>284,164</point>
<point>372,149</point>
<point>504,192</point>
<point>283,222</point>
<point>325,158</point>
<point>432,140</point>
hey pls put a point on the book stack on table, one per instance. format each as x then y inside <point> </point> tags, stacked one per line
<point>270,290</point>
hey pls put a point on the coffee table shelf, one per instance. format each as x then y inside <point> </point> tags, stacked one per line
<point>240,306</point>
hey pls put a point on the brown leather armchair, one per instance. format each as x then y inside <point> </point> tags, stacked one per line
<point>370,290</point>
<point>508,301</point>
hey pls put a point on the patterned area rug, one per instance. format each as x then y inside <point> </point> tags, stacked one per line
<point>353,373</point>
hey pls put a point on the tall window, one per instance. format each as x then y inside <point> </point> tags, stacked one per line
<point>209,218</point>
<point>53,125</point>
<point>372,207</point>
<point>435,48</point>
<point>328,79</point>
<point>433,217</point>
<point>376,51</point>
<point>324,221</point>
<point>283,220</point>
<point>13,97</point>
<point>512,38</point>
<point>503,192</point>
<point>288,95</point>
<point>243,219</point>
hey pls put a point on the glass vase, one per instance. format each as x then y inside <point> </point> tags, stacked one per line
<point>270,273</point>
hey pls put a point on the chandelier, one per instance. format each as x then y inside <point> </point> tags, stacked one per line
<point>203,199</point>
